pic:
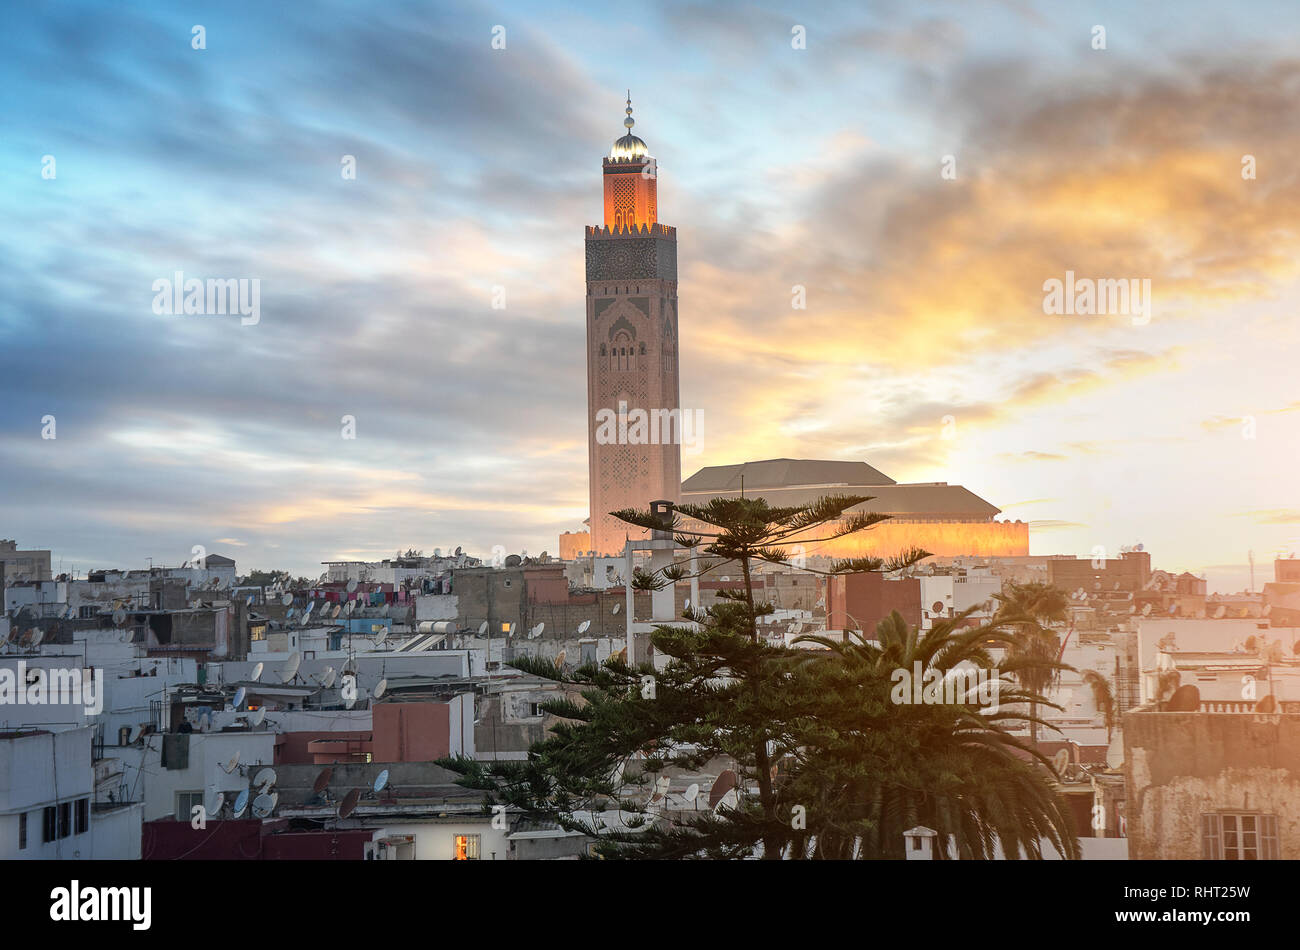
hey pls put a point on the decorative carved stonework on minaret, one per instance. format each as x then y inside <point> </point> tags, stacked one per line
<point>632,344</point>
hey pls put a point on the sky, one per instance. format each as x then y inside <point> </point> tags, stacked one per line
<point>924,347</point>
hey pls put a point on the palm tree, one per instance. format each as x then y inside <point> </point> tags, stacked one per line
<point>1033,656</point>
<point>1103,697</point>
<point>872,767</point>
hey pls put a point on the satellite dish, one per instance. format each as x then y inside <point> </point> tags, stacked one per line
<point>215,801</point>
<point>1060,761</point>
<point>511,631</point>
<point>724,783</point>
<point>322,780</point>
<point>482,628</point>
<point>1132,609</point>
<point>286,599</point>
<point>351,586</point>
<point>458,551</point>
<point>248,601</point>
<point>381,636</point>
<point>349,703</point>
<point>381,781</point>
<point>262,806</point>
<point>350,606</point>
<point>239,697</point>
<point>232,763</point>
<point>71,614</point>
<point>1267,705</point>
<point>257,672</point>
<point>1265,611</point>
<point>205,722</point>
<point>119,617</point>
<point>290,614</point>
<point>241,803</point>
<point>380,688</point>
<point>265,779</point>
<point>291,667</point>
<point>259,716</point>
<point>349,802</point>
<point>560,658</point>
<point>617,608</point>
<point>306,611</point>
<point>582,627</point>
<point>327,679</point>
<point>692,792</point>
<point>687,605</point>
<point>37,636</point>
<point>1146,610</point>
<point>1173,609</point>
<point>936,607</point>
<point>1219,611</point>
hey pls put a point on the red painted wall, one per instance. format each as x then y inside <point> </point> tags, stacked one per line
<point>291,748</point>
<point>411,732</point>
<point>863,600</point>
<point>250,840</point>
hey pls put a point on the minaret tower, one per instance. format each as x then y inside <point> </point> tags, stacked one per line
<point>631,347</point>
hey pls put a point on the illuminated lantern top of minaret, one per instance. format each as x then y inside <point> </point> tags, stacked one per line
<point>630,172</point>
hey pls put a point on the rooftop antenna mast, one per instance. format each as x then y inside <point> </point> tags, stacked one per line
<point>1251,556</point>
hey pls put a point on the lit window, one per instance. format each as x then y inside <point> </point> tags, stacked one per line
<point>466,847</point>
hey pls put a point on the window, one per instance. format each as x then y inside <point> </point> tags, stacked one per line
<point>185,802</point>
<point>466,847</point>
<point>1237,836</point>
<point>22,831</point>
<point>65,819</point>
<point>49,828</point>
<point>83,815</point>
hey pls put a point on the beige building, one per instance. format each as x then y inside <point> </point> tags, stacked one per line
<point>16,565</point>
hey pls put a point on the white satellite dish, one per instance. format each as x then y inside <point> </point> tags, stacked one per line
<point>482,628</point>
<point>262,806</point>
<point>259,716</point>
<point>1060,761</point>
<point>119,617</point>
<point>327,678</point>
<point>290,614</point>
<point>381,781</point>
<point>248,601</point>
<point>1219,611</point>
<point>617,608</point>
<point>215,801</point>
<point>291,667</point>
<point>37,636</point>
<point>265,779</point>
<point>351,586</point>
<point>380,688</point>
<point>257,672</point>
<point>286,599</point>
<point>352,700</point>
<point>232,763</point>
<point>582,627</point>
<point>687,606</point>
<point>239,697</point>
<point>241,803</point>
<point>381,636</point>
<point>350,606</point>
<point>511,631</point>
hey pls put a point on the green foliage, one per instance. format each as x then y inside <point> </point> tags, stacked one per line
<point>829,765</point>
